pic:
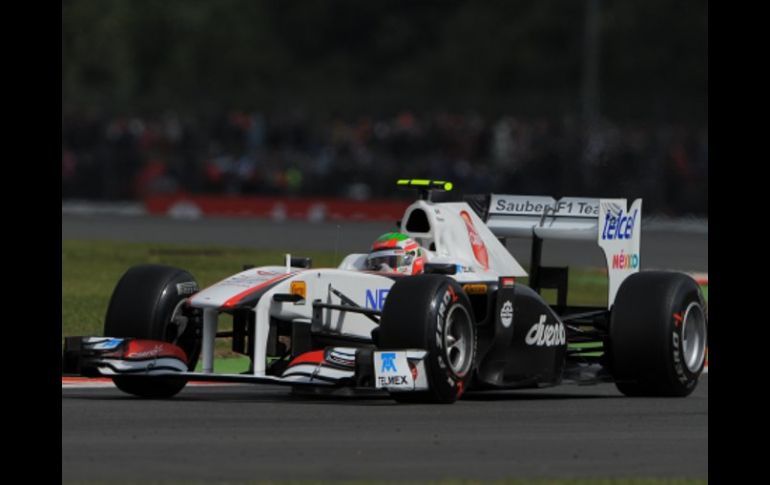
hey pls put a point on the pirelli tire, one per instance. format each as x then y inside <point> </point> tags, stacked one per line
<point>147,304</point>
<point>432,312</point>
<point>658,335</point>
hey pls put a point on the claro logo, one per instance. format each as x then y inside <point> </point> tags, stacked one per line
<point>618,225</point>
<point>479,248</point>
<point>543,335</point>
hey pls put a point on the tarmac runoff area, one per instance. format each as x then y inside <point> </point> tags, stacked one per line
<point>675,246</point>
<point>242,432</point>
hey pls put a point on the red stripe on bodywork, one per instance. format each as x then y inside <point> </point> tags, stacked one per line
<point>233,301</point>
<point>313,357</point>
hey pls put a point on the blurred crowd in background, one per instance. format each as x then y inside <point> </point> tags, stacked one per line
<point>360,157</point>
<point>340,98</point>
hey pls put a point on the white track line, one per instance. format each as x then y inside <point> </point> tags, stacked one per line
<point>105,383</point>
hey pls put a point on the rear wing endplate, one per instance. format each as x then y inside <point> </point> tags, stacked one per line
<point>614,226</point>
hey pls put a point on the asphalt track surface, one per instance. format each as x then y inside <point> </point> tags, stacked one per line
<point>664,248</point>
<point>264,433</point>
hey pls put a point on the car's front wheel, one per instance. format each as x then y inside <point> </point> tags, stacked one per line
<point>432,312</point>
<point>147,304</point>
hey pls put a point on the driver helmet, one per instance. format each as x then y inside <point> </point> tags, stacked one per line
<point>396,252</point>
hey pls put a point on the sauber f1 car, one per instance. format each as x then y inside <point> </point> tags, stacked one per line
<point>465,323</point>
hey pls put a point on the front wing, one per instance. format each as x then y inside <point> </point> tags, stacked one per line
<point>397,370</point>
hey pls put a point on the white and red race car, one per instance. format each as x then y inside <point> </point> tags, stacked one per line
<point>466,323</point>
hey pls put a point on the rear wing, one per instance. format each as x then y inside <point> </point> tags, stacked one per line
<point>614,226</point>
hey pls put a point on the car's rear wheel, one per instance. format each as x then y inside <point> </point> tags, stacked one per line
<point>658,335</point>
<point>147,303</point>
<point>432,312</point>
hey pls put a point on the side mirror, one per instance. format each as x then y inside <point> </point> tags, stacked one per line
<point>301,262</point>
<point>441,268</point>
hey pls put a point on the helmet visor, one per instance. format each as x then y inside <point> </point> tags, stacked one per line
<point>388,260</point>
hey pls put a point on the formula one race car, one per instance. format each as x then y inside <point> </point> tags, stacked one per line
<point>463,323</point>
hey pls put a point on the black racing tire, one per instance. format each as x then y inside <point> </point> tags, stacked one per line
<point>658,335</point>
<point>142,306</point>
<point>432,312</point>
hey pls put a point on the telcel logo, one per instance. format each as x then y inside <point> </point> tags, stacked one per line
<point>375,299</point>
<point>620,226</point>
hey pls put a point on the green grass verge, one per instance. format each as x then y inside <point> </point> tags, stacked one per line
<point>91,269</point>
<point>235,364</point>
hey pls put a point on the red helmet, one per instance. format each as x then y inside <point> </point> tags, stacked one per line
<point>396,252</point>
